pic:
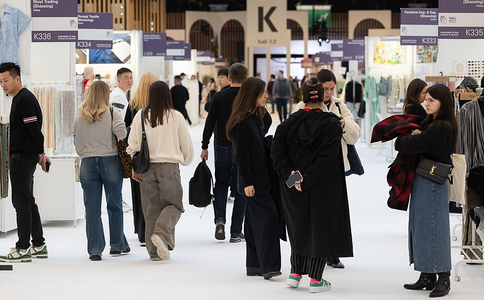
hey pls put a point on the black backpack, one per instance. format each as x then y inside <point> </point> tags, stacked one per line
<point>201,186</point>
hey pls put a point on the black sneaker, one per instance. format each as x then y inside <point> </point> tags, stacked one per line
<point>127,250</point>
<point>95,257</point>
<point>237,238</point>
<point>220,231</point>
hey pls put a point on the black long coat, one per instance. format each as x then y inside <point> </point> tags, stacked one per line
<point>318,221</point>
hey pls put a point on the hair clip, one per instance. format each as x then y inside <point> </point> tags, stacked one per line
<point>314,97</point>
<point>313,92</point>
<point>308,82</point>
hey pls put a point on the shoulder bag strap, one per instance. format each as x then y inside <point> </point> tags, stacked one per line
<point>143,132</point>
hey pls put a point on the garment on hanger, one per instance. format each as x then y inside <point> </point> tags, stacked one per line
<point>371,95</point>
<point>13,23</point>
<point>471,139</point>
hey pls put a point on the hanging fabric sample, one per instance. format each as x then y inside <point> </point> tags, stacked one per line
<point>65,113</point>
<point>46,98</point>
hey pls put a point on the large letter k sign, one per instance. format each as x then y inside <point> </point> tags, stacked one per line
<point>263,18</point>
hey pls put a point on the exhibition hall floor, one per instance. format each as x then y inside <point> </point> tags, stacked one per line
<point>204,268</point>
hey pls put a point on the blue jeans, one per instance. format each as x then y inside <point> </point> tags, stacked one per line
<point>95,173</point>
<point>223,176</point>
<point>281,104</point>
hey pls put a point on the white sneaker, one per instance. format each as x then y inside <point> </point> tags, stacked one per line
<point>126,207</point>
<point>161,248</point>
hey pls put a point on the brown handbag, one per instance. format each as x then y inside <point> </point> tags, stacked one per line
<point>126,163</point>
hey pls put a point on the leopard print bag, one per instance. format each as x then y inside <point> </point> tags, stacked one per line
<point>125,158</point>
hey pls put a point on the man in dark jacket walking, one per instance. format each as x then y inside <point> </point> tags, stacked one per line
<point>26,151</point>
<point>218,115</point>
<point>282,92</point>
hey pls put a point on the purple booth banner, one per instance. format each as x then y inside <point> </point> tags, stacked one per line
<point>419,16</point>
<point>178,50</point>
<point>336,52</point>
<point>95,20</point>
<point>322,58</point>
<point>461,6</point>
<point>54,36</point>
<point>354,49</point>
<point>461,19</point>
<point>54,20</point>
<point>205,58</point>
<point>419,26</point>
<point>154,44</point>
<point>95,31</point>
<point>53,8</point>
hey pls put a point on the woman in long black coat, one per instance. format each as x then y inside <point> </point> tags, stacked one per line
<point>247,127</point>
<point>316,209</point>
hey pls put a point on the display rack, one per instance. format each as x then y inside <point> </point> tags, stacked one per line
<point>468,251</point>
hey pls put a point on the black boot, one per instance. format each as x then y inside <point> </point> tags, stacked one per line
<point>442,287</point>
<point>426,280</point>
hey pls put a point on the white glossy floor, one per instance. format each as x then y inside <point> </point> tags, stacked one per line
<point>203,268</point>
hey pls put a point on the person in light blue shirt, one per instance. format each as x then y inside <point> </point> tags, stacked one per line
<point>12,25</point>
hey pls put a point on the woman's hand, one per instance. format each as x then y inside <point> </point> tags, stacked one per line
<point>136,177</point>
<point>342,121</point>
<point>249,191</point>
<point>416,131</point>
<point>297,184</point>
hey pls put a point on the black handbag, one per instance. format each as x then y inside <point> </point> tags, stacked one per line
<point>433,170</point>
<point>355,163</point>
<point>141,159</point>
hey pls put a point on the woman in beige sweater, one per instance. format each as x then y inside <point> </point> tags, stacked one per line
<point>169,145</point>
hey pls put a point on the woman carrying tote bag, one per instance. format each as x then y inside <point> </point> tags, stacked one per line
<point>169,145</point>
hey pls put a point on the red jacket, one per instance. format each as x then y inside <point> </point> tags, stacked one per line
<point>402,170</point>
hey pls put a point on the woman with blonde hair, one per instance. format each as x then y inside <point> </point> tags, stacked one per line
<point>139,101</point>
<point>96,127</point>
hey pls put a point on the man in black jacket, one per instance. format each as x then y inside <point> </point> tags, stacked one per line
<point>180,96</point>
<point>218,115</point>
<point>26,150</point>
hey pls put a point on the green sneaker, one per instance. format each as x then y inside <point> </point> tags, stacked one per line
<point>321,286</point>
<point>293,280</point>
<point>17,255</point>
<point>39,252</point>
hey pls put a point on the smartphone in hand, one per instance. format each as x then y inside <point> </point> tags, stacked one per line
<point>291,181</point>
<point>47,166</point>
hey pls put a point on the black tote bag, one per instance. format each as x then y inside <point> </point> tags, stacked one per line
<point>141,160</point>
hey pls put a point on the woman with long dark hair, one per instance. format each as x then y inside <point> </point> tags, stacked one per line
<point>428,228</point>
<point>246,128</point>
<point>316,210</point>
<point>412,104</point>
<point>169,145</point>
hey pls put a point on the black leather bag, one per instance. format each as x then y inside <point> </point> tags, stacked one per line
<point>433,170</point>
<point>141,160</point>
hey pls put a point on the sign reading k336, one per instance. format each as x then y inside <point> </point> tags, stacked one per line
<point>266,23</point>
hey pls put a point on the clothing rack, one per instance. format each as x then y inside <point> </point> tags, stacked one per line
<point>468,250</point>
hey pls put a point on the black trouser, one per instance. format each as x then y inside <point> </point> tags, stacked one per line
<point>138,218</point>
<point>302,265</point>
<point>22,168</point>
<point>262,233</point>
